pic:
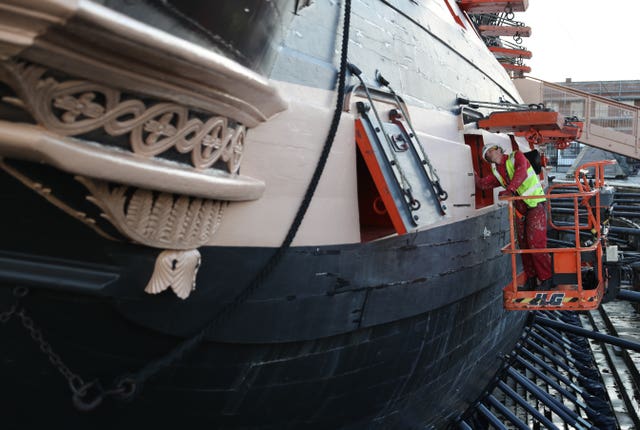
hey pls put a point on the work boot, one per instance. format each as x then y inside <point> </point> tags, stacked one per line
<point>530,284</point>
<point>545,285</point>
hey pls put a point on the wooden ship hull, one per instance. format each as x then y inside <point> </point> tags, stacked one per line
<point>154,163</point>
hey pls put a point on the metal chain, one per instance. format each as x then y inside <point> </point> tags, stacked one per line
<point>86,396</point>
<point>18,293</point>
<point>76,383</point>
<point>6,315</point>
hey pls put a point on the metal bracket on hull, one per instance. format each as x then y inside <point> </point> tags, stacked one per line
<point>398,170</point>
<point>399,167</point>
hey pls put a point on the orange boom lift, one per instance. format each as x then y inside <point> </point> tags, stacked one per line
<point>578,270</point>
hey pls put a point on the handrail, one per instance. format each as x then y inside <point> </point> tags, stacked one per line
<point>608,124</point>
<point>568,259</point>
<point>598,179</point>
<point>594,226</point>
<point>579,93</point>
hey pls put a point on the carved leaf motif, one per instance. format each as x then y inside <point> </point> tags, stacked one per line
<point>161,220</point>
<point>175,269</point>
<point>192,221</point>
<point>159,212</point>
<point>178,218</point>
<point>139,209</point>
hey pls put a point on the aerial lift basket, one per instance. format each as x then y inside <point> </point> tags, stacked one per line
<point>578,270</point>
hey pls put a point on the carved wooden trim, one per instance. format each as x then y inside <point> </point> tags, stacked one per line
<point>176,270</point>
<point>22,21</point>
<point>33,143</point>
<point>87,40</point>
<point>76,107</point>
<point>46,192</point>
<point>160,220</point>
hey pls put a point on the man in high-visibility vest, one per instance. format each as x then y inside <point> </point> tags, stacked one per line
<point>515,174</point>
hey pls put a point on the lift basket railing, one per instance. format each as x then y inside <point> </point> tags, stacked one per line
<point>569,264</point>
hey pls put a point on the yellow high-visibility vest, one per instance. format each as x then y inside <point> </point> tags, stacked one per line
<point>530,186</point>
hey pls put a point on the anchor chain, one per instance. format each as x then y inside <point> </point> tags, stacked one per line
<point>18,293</point>
<point>86,396</point>
<point>6,315</point>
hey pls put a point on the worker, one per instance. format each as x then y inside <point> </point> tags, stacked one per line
<point>515,174</point>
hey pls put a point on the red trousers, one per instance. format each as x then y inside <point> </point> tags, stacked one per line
<point>531,230</point>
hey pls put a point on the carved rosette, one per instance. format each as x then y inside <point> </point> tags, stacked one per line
<point>76,107</point>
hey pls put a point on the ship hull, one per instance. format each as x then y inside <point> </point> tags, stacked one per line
<point>345,329</point>
<point>414,351</point>
<point>419,371</point>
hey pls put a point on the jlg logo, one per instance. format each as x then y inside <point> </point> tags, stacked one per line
<point>541,299</point>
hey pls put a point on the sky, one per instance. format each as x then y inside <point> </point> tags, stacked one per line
<point>585,40</point>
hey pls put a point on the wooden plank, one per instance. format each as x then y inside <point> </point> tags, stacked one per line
<point>504,30</point>
<point>492,6</point>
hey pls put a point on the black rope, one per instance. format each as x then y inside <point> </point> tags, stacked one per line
<point>128,385</point>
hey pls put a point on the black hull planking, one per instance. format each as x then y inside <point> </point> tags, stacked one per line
<point>414,350</point>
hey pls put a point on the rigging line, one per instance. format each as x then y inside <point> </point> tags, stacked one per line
<point>426,30</point>
<point>127,385</point>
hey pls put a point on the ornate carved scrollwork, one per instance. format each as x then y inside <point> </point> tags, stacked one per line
<point>120,135</point>
<point>165,221</point>
<point>46,192</point>
<point>76,107</point>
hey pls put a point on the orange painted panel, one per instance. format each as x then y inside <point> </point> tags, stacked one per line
<point>564,262</point>
<point>502,52</point>
<point>514,121</point>
<point>364,145</point>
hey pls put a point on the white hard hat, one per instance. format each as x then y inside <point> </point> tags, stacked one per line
<point>486,148</point>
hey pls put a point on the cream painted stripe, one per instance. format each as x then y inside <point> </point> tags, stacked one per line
<point>28,142</point>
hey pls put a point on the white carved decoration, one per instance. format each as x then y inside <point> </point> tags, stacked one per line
<point>76,107</point>
<point>175,269</point>
<point>92,41</point>
<point>47,194</point>
<point>160,220</point>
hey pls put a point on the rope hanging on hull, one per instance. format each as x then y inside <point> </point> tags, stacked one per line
<point>126,386</point>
